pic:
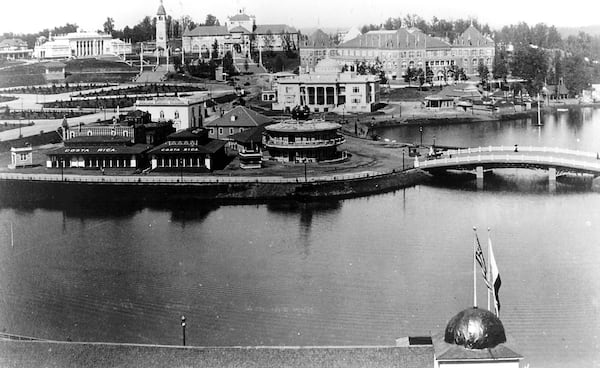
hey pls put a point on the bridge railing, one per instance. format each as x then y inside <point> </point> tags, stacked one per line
<point>558,150</point>
<point>485,158</point>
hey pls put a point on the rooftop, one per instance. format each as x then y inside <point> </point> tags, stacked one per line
<point>36,354</point>
<point>240,116</point>
<point>313,125</point>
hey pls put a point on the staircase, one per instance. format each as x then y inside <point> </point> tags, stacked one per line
<point>156,75</point>
<point>253,67</point>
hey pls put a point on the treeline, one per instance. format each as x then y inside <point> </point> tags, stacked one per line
<point>144,31</point>
<point>436,27</point>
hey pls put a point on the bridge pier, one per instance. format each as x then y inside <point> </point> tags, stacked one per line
<point>479,177</point>
<point>552,179</point>
<point>479,172</point>
<point>552,174</point>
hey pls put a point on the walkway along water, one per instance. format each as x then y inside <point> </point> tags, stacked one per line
<point>151,188</point>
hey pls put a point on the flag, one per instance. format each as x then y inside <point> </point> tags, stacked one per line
<point>481,260</point>
<point>496,281</point>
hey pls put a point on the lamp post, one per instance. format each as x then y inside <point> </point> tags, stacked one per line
<point>421,131</point>
<point>305,178</point>
<point>402,159</point>
<point>62,169</point>
<point>181,171</point>
<point>183,328</point>
<point>434,142</point>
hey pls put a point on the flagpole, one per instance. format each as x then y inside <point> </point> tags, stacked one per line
<point>474,269</point>
<point>490,281</point>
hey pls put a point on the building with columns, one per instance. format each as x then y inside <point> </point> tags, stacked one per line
<point>161,29</point>
<point>79,44</point>
<point>14,48</point>
<point>328,89</point>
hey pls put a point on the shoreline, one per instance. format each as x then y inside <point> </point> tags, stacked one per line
<point>225,190</point>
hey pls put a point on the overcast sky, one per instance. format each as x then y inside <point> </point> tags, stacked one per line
<point>27,16</point>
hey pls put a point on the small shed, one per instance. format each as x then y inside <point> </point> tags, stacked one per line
<point>21,157</point>
<point>55,71</point>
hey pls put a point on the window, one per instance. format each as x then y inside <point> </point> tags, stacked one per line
<point>125,133</point>
<point>220,130</point>
<point>355,89</point>
<point>113,133</point>
<point>230,130</point>
<point>23,156</point>
<point>241,130</point>
<point>162,114</point>
<point>89,133</point>
<point>176,115</point>
<point>212,130</point>
<point>72,134</point>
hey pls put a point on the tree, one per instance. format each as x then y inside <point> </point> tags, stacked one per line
<point>215,49</point>
<point>530,63</point>
<point>500,64</point>
<point>421,77</point>
<point>211,20</point>
<point>577,74</point>
<point>109,26</point>
<point>228,66</point>
<point>409,75</point>
<point>483,72</point>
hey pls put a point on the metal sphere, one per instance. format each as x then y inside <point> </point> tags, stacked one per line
<point>475,328</point>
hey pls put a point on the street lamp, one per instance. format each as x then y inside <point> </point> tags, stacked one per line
<point>421,131</point>
<point>403,159</point>
<point>181,171</point>
<point>305,178</point>
<point>183,328</point>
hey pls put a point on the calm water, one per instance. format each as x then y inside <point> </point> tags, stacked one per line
<point>362,271</point>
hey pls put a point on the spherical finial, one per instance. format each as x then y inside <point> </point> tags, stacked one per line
<point>475,328</point>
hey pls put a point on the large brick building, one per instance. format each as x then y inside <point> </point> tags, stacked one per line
<point>397,50</point>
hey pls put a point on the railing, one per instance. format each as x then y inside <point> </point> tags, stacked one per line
<point>285,143</point>
<point>520,149</point>
<point>177,179</point>
<point>514,158</point>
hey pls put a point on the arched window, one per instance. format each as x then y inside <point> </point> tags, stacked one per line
<point>162,114</point>
<point>176,114</point>
<point>125,133</point>
<point>113,132</point>
<point>89,133</point>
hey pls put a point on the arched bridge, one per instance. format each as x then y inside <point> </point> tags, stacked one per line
<point>492,157</point>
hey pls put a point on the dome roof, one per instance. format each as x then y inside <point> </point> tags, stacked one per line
<point>475,328</point>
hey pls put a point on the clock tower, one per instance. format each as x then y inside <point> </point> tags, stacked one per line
<point>161,30</point>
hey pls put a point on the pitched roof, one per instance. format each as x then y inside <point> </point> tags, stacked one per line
<point>239,17</point>
<point>211,146</point>
<point>239,29</point>
<point>13,42</point>
<point>253,135</point>
<point>398,39</point>
<point>472,37</point>
<point>274,28</point>
<point>240,116</point>
<point>207,31</point>
<point>318,39</point>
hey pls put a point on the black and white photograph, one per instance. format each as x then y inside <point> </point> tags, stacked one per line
<point>301,184</point>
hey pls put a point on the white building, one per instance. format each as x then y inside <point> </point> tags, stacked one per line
<point>79,44</point>
<point>14,48</point>
<point>185,112</point>
<point>328,89</point>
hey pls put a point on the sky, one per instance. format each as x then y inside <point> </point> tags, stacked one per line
<point>29,16</point>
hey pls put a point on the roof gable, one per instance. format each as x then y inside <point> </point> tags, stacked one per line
<point>240,116</point>
<point>274,29</point>
<point>472,37</point>
<point>207,31</point>
<point>318,39</point>
<point>398,39</point>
